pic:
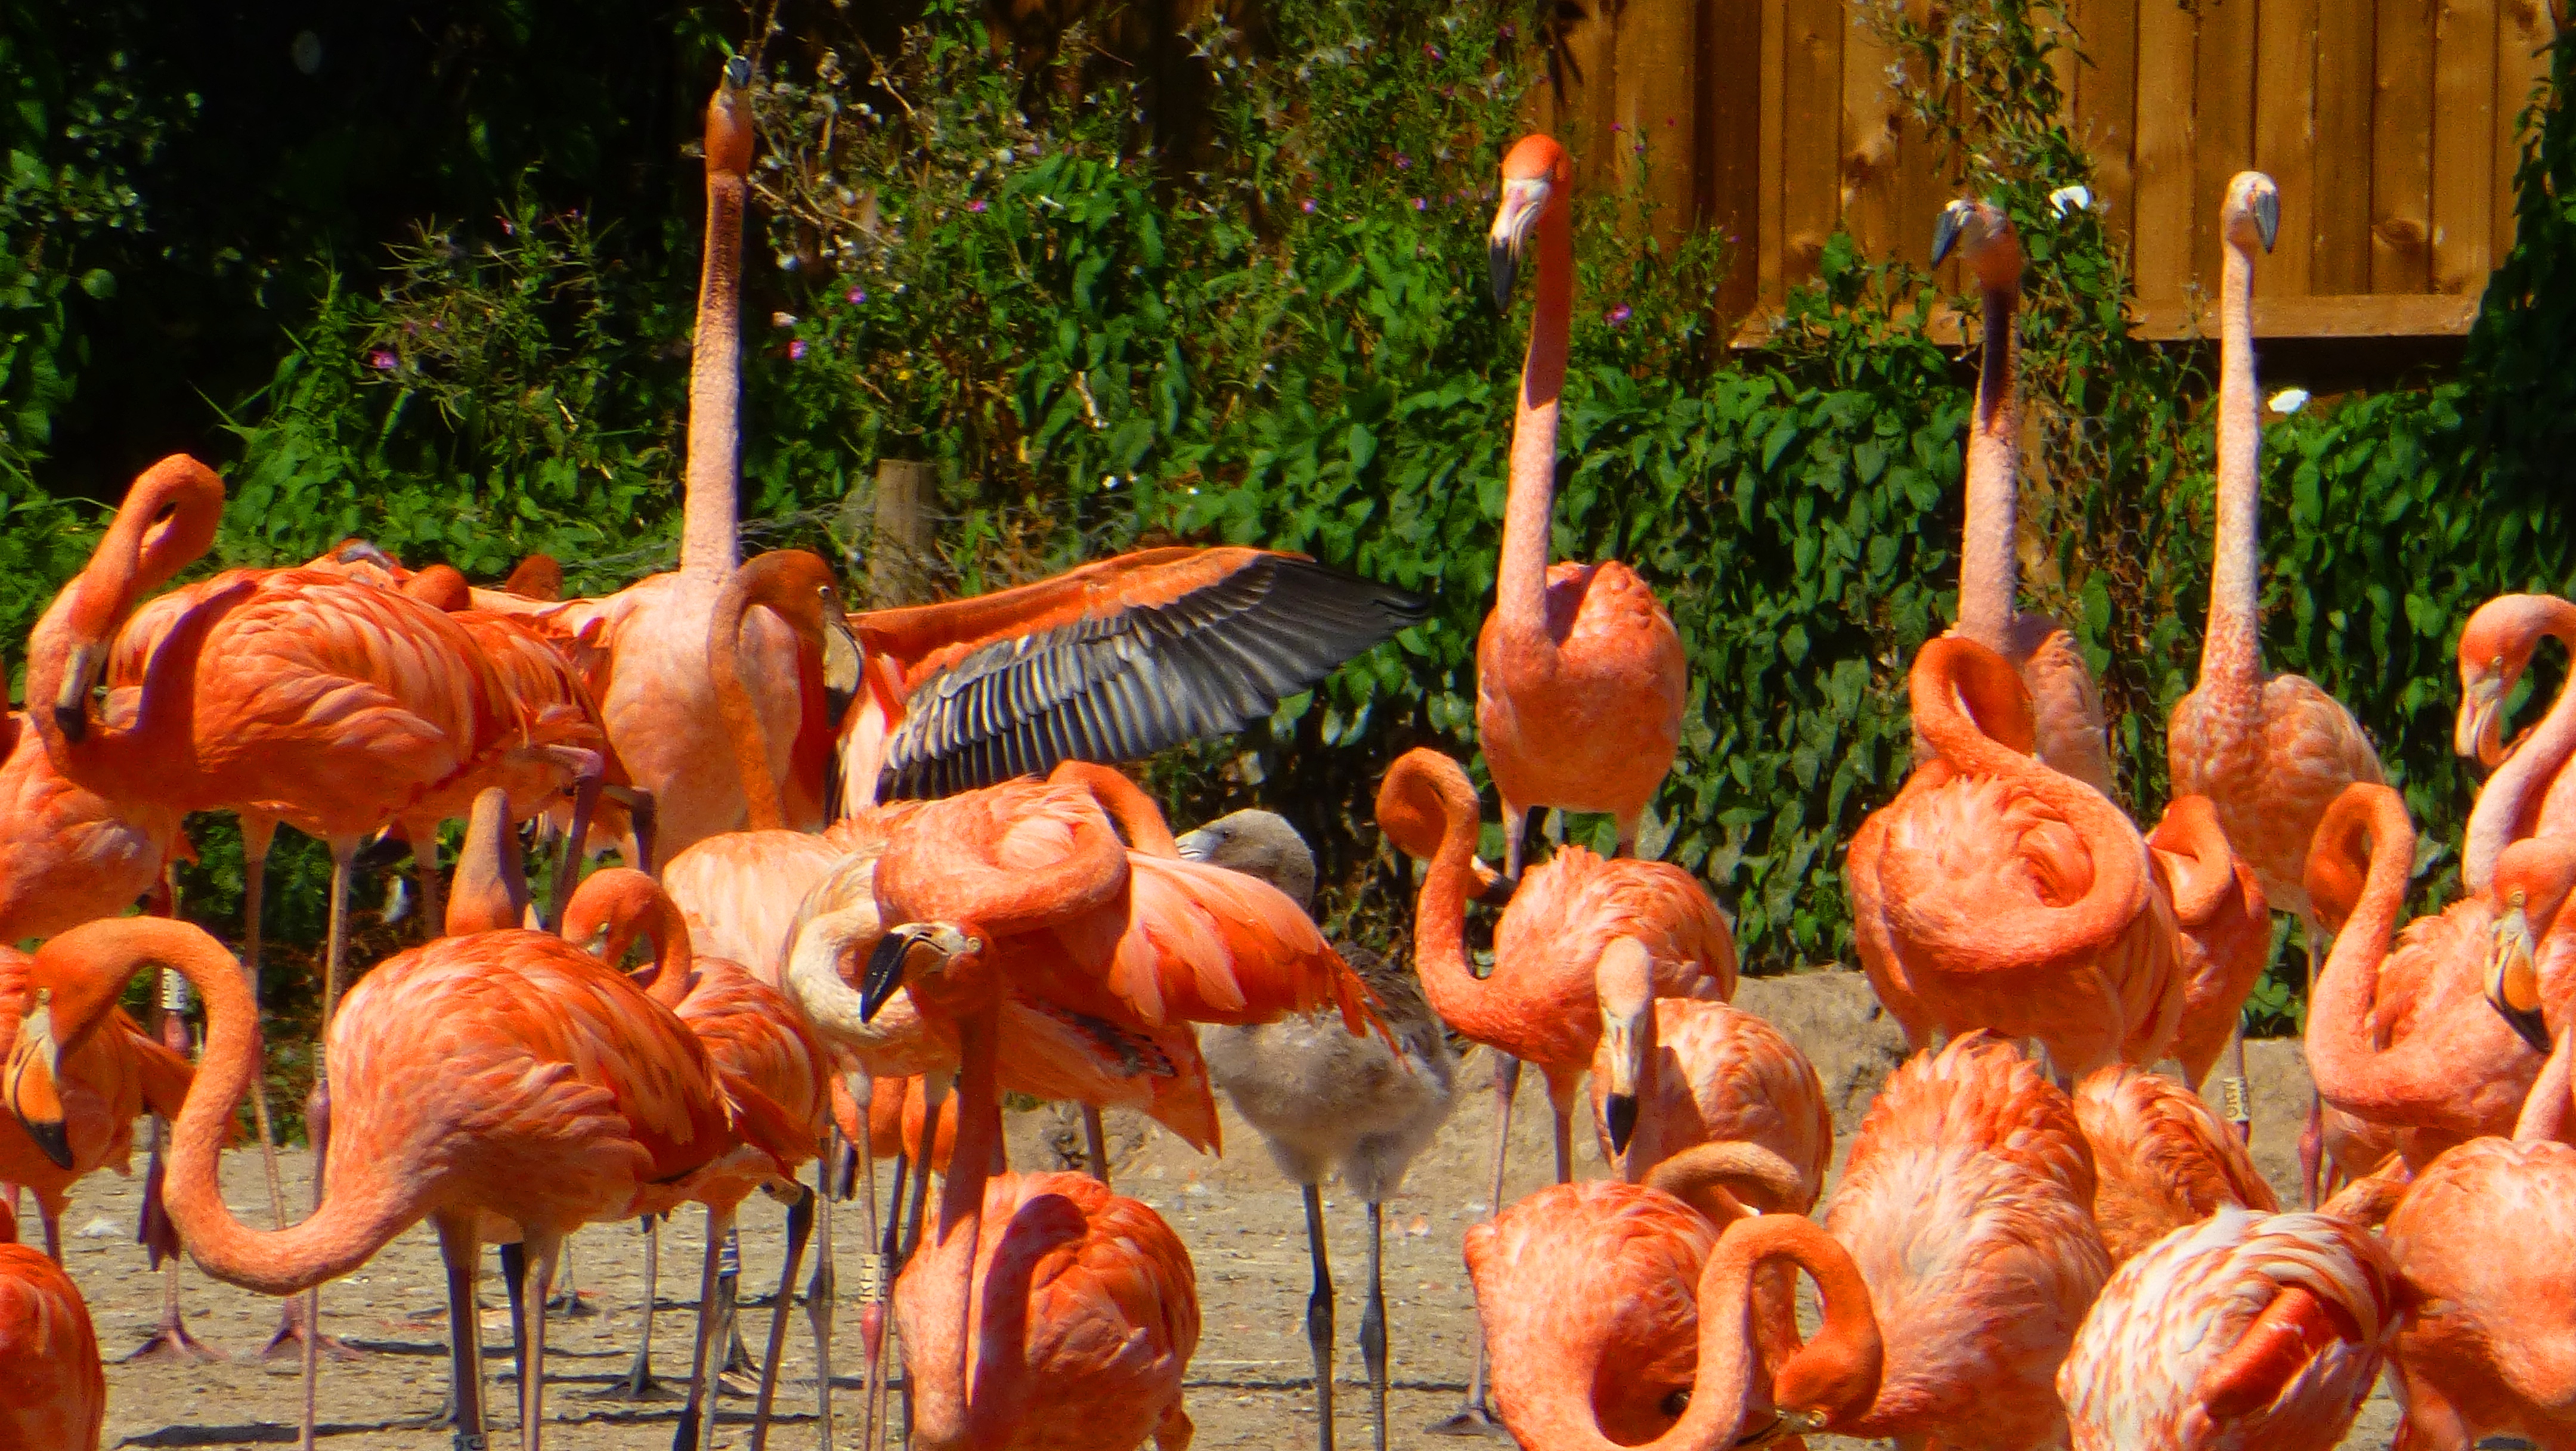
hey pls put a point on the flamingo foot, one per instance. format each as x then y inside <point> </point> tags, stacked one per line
<point>292,1332</point>
<point>173,1345</point>
<point>1472,1420</point>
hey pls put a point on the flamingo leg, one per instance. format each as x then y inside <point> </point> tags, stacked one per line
<point>872,1317</point>
<point>171,1344</point>
<point>1373,1328</point>
<point>2316,1175</point>
<point>1095,1143</point>
<point>424,862</point>
<point>464,1260</point>
<point>1319,1317</point>
<point>258,832</point>
<point>686,1438</point>
<point>800,1225</point>
<point>822,1291</point>
<point>1564,1141</point>
<point>1475,1418</point>
<point>638,1383</point>
<point>1627,822</point>
<point>933,1091</point>
<point>1515,827</point>
<point>589,769</point>
<point>2238,1103</point>
<point>571,1296</point>
<point>542,1247</point>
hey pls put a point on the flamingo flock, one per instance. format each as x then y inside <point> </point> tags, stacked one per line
<point>885,871</point>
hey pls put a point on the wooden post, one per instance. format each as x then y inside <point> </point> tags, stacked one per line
<point>899,554</point>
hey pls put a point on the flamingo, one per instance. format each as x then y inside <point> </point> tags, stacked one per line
<point>1323,1099</point>
<point>1540,1004</point>
<point>2160,1159</point>
<point>2532,793</point>
<point>1083,1303</point>
<point>2396,1036</point>
<point>1996,892</point>
<point>1665,1316</point>
<point>1966,1204</point>
<point>69,855</point>
<point>2244,1330</point>
<point>1675,1072</point>
<point>118,1073</point>
<point>2224,928</point>
<point>1579,673</point>
<point>54,1395</point>
<point>2069,705</point>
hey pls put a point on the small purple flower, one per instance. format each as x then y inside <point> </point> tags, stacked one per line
<point>1619,315</point>
<point>977,205</point>
<point>855,296</point>
<point>382,360</point>
<point>1509,30</point>
<point>796,351</point>
<point>1307,206</point>
<point>1616,127</point>
<point>1430,51</point>
<point>1420,205</point>
<point>1403,162</point>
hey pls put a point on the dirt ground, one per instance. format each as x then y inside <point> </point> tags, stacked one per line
<point>1249,1384</point>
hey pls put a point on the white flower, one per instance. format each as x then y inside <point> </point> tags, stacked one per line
<point>2070,199</point>
<point>782,319</point>
<point>2289,400</point>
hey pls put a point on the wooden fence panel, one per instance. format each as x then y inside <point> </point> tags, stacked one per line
<point>2285,140</point>
<point>1810,149</point>
<point>2464,61</point>
<point>2163,228</point>
<point>2401,148</point>
<point>2222,125</point>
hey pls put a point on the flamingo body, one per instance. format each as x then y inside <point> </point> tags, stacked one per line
<point>1717,1073</point>
<point>2485,1242</point>
<point>2161,1160</point>
<point>104,1083</point>
<point>1592,721</point>
<point>53,1395</point>
<point>68,855</point>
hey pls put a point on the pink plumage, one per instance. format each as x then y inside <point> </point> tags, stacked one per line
<point>53,1395</point>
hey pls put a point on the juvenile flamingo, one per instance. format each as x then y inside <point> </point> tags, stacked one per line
<point>2531,793</point>
<point>2243,1330</point>
<point>1966,1204</point>
<point>1323,1099</point>
<point>2161,1161</point>
<point>1580,676</point>
<point>2069,705</point>
<point>53,1395</point>
<point>1995,892</point>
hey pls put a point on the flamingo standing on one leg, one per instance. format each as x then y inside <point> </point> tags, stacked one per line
<point>1966,1204</point>
<point>53,1395</point>
<point>1579,673</point>
<point>1322,1098</point>
<point>2532,793</point>
<point>1995,892</point>
<point>2161,1161</point>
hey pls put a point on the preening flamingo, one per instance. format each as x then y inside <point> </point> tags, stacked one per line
<point>1081,1302</point>
<point>68,855</point>
<point>2531,793</point>
<point>1540,1003</point>
<point>2068,704</point>
<point>1675,1072</point>
<point>1995,892</point>
<point>118,1073</point>
<point>1966,1203</point>
<point>2397,1035</point>
<point>53,1395</point>
<point>2161,1160</point>
<point>2245,1330</point>
<point>2224,928</point>
<point>1324,1099</point>
<point>1579,672</point>
<point>1664,1315</point>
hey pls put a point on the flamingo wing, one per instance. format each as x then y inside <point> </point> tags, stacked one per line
<point>1115,660</point>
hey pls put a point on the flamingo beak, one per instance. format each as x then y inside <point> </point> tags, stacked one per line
<point>2267,217</point>
<point>80,676</point>
<point>33,1080</point>
<point>738,72</point>
<point>2513,980</point>
<point>888,959</point>
<point>2479,733</point>
<point>1783,1425</point>
<point>1524,198</point>
<point>843,663</point>
<point>1619,1115</point>
<point>1946,230</point>
<point>1624,1048</point>
<point>1194,846</point>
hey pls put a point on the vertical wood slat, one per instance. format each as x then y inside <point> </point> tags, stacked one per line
<point>1869,137</point>
<point>1656,108</point>
<point>2161,229</point>
<point>1592,93</point>
<point>1770,247</point>
<point>1730,139</point>
<point>899,555</point>
<point>2523,30</point>
<point>2464,123</point>
<point>2222,124</point>
<point>2401,148</point>
<point>1810,160</point>
<point>2285,106</point>
<point>2341,161</point>
<point>2106,102</point>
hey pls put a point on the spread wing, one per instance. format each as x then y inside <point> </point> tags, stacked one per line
<point>1116,660</point>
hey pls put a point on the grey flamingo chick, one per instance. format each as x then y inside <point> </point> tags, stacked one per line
<point>1323,1098</point>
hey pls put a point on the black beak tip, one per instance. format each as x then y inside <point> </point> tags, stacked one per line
<point>738,72</point>
<point>885,973</point>
<point>2527,1025</point>
<point>1619,1115</point>
<point>836,705</point>
<point>1499,892</point>
<point>2267,219</point>
<point>73,721</point>
<point>1500,268</point>
<point>1945,235</point>
<point>53,1139</point>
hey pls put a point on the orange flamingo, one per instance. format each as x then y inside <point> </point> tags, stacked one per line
<point>1995,892</point>
<point>53,1395</point>
<point>2068,703</point>
<point>1579,672</point>
<point>2532,793</point>
<point>2160,1159</point>
<point>1966,1205</point>
<point>2225,933</point>
<point>1085,1303</point>
<point>69,855</point>
<point>2396,1034</point>
<point>2243,1330</point>
<point>1660,1350</point>
<point>118,1073</point>
<point>1674,1072</point>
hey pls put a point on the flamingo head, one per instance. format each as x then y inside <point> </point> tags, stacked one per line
<point>1624,980</point>
<point>2251,215</point>
<point>2495,648</point>
<point>1983,236</point>
<point>1536,174</point>
<point>2532,878</point>
<point>166,522</point>
<point>798,587</point>
<point>1258,844</point>
<point>33,1083</point>
<point>936,960</point>
<point>729,123</point>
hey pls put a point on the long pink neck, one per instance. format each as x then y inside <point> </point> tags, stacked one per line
<point>1520,588</point>
<point>1987,569</point>
<point>708,544</point>
<point>1462,999</point>
<point>949,1260</point>
<point>2391,1085</point>
<point>2544,1110</point>
<point>2507,803</point>
<point>2232,650</point>
<point>152,756</point>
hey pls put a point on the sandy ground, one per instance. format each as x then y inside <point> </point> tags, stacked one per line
<point>1249,1385</point>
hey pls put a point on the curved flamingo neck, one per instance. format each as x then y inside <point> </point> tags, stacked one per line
<point>2545,1109</point>
<point>2503,811</point>
<point>1988,572</point>
<point>2232,650</point>
<point>744,730</point>
<point>708,535</point>
<point>616,905</point>
<point>153,756</point>
<point>367,1203</point>
<point>1127,804</point>
<point>1440,920</point>
<point>490,892</point>
<point>2351,1072</point>
<point>2199,864</point>
<point>949,1265</point>
<point>1520,586</point>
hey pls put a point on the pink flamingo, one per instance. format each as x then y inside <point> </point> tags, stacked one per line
<point>2532,793</point>
<point>2225,934</point>
<point>2160,1160</point>
<point>54,1395</point>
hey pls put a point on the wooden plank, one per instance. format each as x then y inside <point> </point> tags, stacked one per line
<point>2222,124</point>
<point>2106,101</point>
<point>1811,159</point>
<point>2353,315</point>
<point>2463,199</point>
<point>1869,139</point>
<point>1730,140</point>
<point>2401,148</point>
<point>2340,160</point>
<point>2162,232</point>
<point>1591,93</point>
<point>2523,33</point>
<point>1655,98</point>
<point>2285,118</point>
<point>1770,246</point>
<point>1925,183</point>
<point>899,555</point>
